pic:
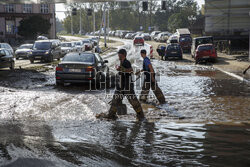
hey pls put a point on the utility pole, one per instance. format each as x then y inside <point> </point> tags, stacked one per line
<point>108,24</point>
<point>105,35</point>
<point>72,24</point>
<point>94,21</point>
<point>80,21</point>
<point>150,21</point>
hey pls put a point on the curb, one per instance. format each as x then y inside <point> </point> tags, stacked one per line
<point>242,79</point>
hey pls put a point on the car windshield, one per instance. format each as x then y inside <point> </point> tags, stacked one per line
<point>173,47</point>
<point>87,58</point>
<point>25,47</point>
<point>207,47</point>
<point>185,39</point>
<point>66,44</point>
<point>203,41</point>
<point>42,45</point>
<point>85,42</point>
<point>79,43</point>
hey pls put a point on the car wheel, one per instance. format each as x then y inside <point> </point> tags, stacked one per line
<point>166,58</point>
<point>51,58</point>
<point>59,57</point>
<point>214,60</point>
<point>31,60</point>
<point>12,66</point>
<point>59,83</point>
<point>17,58</point>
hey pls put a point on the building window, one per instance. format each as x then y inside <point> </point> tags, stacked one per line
<point>10,27</point>
<point>44,8</point>
<point>9,8</point>
<point>27,8</point>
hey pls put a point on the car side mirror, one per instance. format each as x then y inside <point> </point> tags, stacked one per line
<point>106,61</point>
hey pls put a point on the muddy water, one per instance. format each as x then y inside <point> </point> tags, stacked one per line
<point>205,121</point>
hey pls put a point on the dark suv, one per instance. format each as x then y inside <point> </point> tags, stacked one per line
<point>45,50</point>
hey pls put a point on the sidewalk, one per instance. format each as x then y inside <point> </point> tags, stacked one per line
<point>233,64</point>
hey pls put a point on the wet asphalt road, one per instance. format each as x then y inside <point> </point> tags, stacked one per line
<point>205,121</point>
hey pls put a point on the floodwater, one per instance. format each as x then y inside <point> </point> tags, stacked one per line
<point>205,122</point>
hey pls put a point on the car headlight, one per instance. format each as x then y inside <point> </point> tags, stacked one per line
<point>29,52</point>
<point>47,52</point>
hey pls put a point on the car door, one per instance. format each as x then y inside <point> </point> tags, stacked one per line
<point>100,64</point>
<point>9,48</point>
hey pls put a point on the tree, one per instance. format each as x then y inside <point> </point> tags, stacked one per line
<point>32,26</point>
<point>59,26</point>
<point>177,20</point>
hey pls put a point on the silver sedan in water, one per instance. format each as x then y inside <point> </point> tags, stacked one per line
<point>81,68</point>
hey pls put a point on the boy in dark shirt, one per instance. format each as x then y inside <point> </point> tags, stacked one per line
<point>126,89</point>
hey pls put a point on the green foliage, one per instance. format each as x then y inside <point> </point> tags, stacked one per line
<point>177,20</point>
<point>33,26</point>
<point>129,16</point>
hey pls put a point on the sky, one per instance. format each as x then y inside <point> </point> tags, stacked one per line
<point>61,15</point>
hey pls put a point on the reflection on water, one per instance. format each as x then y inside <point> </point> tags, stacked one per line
<point>126,144</point>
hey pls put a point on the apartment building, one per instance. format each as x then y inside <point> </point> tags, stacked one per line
<point>12,14</point>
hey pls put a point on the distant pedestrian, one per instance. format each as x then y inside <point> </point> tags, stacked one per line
<point>244,72</point>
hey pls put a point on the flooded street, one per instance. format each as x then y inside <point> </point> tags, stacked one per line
<point>205,122</point>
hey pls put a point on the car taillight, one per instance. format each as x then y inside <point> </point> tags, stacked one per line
<point>59,69</point>
<point>213,51</point>
<point>89,69</point>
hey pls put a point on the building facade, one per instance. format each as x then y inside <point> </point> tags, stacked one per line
<point>12,14</point>
<point>227,17</point>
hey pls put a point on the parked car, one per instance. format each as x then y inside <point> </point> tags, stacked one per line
<point>163,37</point>
<point>67,47</point>
<point>95,40</point>
<point>173,50</point>
<point>41,38</point>
<point>45,50</point>
<point>199,41</point>
<point>124,33</point>
<point>146,36</point>
<point>139,41</point>
<point>205,52</point>
<point>7,46</point>
<point>129,36</point>
<point>80,47</point>
<point>154,34</point>
<point>173,39</point>
<point>6,59</point>
<point>185,43</point>
<point>81,68</point>
<point>87,44</point>
<point>23,51</point>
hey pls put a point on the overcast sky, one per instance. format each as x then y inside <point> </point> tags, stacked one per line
<point>61,15</point>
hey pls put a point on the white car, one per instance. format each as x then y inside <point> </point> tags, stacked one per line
<point>67,47</point>
<point>154,34</point>
<point>79,46</point>
<point>162,37</point>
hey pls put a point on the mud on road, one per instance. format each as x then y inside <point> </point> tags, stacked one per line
<point>205,121</point>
